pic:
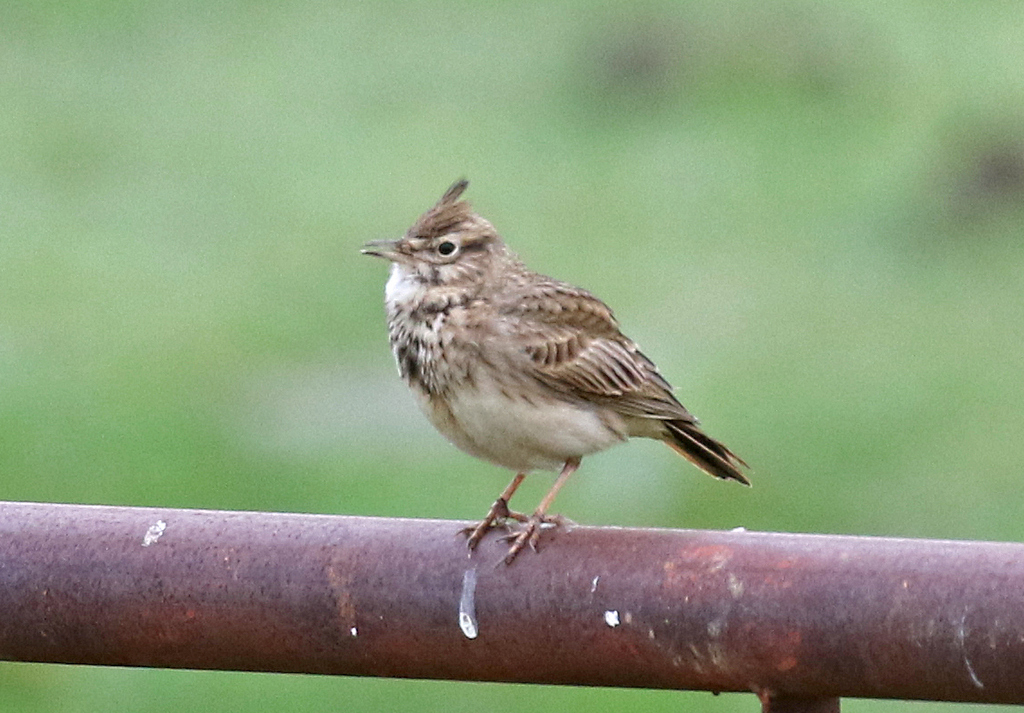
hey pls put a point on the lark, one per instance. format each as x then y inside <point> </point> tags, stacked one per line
<point>519,369</point>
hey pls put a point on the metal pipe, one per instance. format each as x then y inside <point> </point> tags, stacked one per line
<point>789,617</point>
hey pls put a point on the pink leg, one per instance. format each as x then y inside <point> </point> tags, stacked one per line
<point>498,511</point>
<point>531,532</point>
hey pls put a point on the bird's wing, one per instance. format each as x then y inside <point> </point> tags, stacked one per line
<point>571,342</point>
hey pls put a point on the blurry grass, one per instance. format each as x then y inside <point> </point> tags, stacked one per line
<point>809,215</point>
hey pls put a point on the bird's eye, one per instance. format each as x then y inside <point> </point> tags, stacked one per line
<point>446,248</point>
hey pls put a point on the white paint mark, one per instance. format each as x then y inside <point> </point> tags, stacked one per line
<point>718,655</point>
<point>467,605</point>
<point>961,636</point>
<point>735,586</point>
<point>593,584</point>
<point>715,627</point>
<point>697,661</point>
<point>611,618</point>
<point>153,533</point>
<point>354,632</point>
<point>718,561</point>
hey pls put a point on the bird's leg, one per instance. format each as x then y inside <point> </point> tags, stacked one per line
<point>498,511</point>
<point>531,532</point>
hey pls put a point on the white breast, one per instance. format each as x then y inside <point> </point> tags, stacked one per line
<point>541,433</point>
<point>401,287</point>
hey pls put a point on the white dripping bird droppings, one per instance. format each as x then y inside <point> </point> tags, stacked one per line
<point>467,605</point>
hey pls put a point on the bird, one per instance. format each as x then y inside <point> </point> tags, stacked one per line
<point>520,369</point>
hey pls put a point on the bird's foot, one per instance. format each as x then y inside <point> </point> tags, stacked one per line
<point>497,516</point>
<point>529,534</point>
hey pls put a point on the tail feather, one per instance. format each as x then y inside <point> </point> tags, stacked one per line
<point>704,452</point>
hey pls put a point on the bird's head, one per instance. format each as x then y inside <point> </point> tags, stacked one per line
<point>449,245</point>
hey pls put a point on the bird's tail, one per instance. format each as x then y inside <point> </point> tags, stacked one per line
<point>705,452</point>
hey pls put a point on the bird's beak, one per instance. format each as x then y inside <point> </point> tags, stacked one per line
<point>387,249</point>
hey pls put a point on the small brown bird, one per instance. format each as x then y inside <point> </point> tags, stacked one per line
<point>519,369</point>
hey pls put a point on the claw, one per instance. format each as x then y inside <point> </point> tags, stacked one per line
<point>530,534</point>
<point>519,541</point>
<point>498,511</point>
<point>497,516</point>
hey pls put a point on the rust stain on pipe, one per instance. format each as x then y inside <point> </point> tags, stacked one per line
<point>807,617</point>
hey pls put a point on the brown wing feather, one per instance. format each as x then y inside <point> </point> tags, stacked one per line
<point>574,345</point>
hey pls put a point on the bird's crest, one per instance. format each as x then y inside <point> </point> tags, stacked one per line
<point>449,213</point>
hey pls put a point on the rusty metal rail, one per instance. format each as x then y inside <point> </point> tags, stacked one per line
<point>798,619</point>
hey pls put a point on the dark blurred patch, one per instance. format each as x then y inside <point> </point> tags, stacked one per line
<point>637,59</point>
<point>971,200</point>
<point>647,60</point>
<point>988,176</point>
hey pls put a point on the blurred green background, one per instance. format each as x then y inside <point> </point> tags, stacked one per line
<point>810,215</point>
